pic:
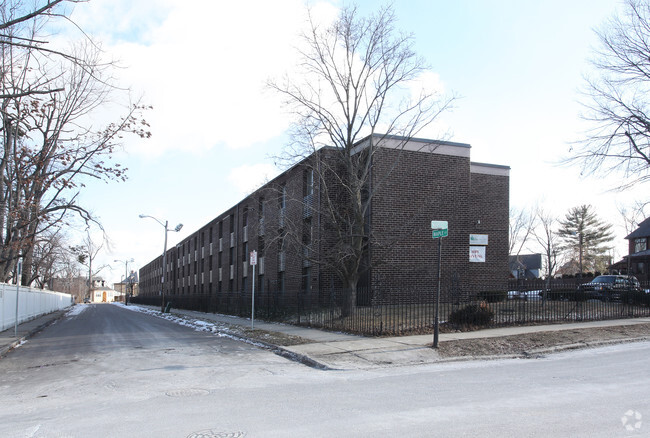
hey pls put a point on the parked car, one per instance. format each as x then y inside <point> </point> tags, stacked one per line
<point>525,295</point>
<point>609,287</point>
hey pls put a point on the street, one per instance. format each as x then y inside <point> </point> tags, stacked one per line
<point>106,371</point>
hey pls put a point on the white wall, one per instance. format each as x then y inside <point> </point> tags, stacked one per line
<point>32,303</point>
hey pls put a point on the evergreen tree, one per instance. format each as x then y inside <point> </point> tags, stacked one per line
<point>585,236</point>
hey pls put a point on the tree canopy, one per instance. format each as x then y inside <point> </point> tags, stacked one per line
<point>616,99</point>
<point>50,143</point>
<point>585,236</point>
<point>353,82</point>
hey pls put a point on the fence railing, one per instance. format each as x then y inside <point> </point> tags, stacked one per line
<point>32,303</point>
<point>382,313</point>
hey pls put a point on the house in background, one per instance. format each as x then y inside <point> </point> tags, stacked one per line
<point>130,285</point>
<point>106,295</point>
<point>638,258</point>
<point>525,266</point>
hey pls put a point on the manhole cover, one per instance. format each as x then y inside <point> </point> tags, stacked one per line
<point>216,434</point>
<point>191,392</point>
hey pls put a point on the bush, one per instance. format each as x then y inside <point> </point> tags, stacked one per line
<point>472,315</point>
<point>493,296</point>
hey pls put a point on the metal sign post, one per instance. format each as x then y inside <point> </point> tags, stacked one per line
<point>440,230</point>
<point>253,263</point>
<point>19,268</point>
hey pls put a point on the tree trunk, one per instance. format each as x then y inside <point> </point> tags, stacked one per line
<point>350,298</point>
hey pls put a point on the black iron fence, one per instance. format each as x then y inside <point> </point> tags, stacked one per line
<point>383,313</point>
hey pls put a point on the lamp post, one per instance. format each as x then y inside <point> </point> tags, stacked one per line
<point>126,272</point>
<point>164,266</point>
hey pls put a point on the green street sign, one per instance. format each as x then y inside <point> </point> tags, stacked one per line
<point>440,233</point>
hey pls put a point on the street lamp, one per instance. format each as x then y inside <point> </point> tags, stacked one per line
<point>164,267</point>
<point>126,273</point>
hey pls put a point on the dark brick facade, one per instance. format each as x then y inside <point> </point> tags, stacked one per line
<point>413,185</point>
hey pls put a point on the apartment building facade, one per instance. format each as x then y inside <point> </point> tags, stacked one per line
<point>414,181</point>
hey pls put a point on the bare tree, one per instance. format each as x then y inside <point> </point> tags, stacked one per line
<point>50,256</point>
<point>21,30</point>
<point>546,236</point>
<point>633,215</point>
<point>351,85</point>
<point>522,224</point>
<point>86,253</point>
<point>616,100</point>
<point>50,144</point>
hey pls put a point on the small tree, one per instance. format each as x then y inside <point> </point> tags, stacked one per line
<point>546,236</point>
<point>522,224</point>
<point>86,253</point>
<point>585,236</point>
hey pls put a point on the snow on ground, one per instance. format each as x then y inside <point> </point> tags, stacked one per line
<point>76,309</point>
<point>214,327</point>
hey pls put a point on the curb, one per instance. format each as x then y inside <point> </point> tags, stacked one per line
<point>539,353</point>
<point>275,349</point>
<point>280,351</point>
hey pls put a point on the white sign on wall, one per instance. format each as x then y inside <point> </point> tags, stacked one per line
<point>478,239</point>
<point>477,254</point>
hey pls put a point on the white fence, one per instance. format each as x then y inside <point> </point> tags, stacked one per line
<point>32,303</point>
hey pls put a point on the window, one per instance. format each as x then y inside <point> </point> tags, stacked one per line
<point>281,282</point>
<point>306,279</point>
<point>640,244</point>
<point>308,182</point>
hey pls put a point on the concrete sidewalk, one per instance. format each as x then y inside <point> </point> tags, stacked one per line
<point>331,350</point>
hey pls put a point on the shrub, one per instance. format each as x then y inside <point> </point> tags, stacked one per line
<point>472,315</point>
<point>493,296</point>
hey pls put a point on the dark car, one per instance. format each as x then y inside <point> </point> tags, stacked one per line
<point>610,287</point>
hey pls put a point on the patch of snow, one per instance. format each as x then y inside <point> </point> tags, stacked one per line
<point>76,310</point>
<point>23,342</point>
<point>216,328</point>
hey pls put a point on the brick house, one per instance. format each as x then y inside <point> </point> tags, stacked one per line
<point>413,182</point>
<point>638,259</point>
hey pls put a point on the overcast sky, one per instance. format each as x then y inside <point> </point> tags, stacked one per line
<point>516,65</point>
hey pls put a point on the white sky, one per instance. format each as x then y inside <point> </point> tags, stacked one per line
<point>202,65</point>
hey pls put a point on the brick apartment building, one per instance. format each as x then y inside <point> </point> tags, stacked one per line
<point>414,182</point>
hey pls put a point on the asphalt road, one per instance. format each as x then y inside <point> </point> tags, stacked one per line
<point>110,372</point>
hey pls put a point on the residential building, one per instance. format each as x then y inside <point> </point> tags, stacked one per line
<point>638,259</point>
<point>413,182</point>
<point>525,266</point>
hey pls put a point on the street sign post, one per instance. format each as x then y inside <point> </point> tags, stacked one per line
<point>440,230</point>
<point>253,262</point>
